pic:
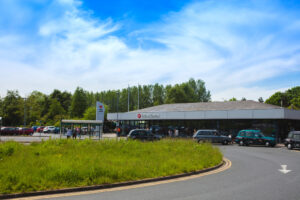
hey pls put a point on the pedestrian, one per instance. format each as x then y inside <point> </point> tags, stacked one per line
<point>69,133</point>
<point>170,132</point>
<point>75,134</point>
<point>176,132</point>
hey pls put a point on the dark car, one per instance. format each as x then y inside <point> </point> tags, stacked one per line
<point>142,134</point>
<point>212,136</point>
<point>293,140</point>
<point>254,137</point>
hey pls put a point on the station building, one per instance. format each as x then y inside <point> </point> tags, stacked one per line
<point>228,117</point>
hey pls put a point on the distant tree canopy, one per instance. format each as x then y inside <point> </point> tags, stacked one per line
<point>42,109</point>
<point>290,98</point>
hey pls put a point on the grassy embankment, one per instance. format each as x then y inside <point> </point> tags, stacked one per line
<point>65,163</point>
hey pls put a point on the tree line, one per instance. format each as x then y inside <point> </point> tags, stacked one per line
<point>42,109</point>
<point>288,99</point>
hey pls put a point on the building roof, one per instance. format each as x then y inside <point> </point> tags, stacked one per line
<point>70,121</point>
<point>205,106</point>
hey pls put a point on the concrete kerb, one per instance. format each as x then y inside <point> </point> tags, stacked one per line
<point>107,186</point>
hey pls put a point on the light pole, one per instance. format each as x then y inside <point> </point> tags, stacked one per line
<point>24,114</point>
<point>118,111</point>
<point>0,126</point>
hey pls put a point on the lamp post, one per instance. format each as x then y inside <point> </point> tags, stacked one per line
<point>0,126</point>
<point>24,114</point>
<point>118,111</point>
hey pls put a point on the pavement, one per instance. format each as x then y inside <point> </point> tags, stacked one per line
<point>256,173</point>
<point>38,137</point>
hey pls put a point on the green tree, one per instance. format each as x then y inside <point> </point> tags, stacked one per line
<point>158,94</point>
<point>56,110</point>
<point>295,103</point>
<point>176,95</point>
<point>35,103</point>
<point>79,103</point>
<point>279,99</point>
<point>260,100</point>
<point>90,113</point>
<point>13,109</point>
<point>233,99</point>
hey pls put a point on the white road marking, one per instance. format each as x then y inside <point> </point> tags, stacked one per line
<point>284,170</point>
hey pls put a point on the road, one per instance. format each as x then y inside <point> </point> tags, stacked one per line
<point>254,174</point>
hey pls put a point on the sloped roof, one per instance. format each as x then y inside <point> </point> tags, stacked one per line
<point>204,106</point>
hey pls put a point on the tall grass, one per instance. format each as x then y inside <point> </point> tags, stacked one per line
<point>65,163</point>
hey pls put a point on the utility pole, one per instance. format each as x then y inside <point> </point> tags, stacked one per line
<point>138,96</point>
<point>118,107</point>
<point>24,111</point>
<point>24,115</point>
<point>128,96</point>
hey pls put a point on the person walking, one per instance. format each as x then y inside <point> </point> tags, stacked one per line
<point>75,133</point>
<point>69,133</point>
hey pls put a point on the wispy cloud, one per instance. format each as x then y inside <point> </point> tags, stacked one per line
<point>231,47</point>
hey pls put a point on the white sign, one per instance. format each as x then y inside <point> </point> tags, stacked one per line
<point>100,110</point>
<point>148,116</point>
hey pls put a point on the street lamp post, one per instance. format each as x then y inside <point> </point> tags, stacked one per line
<point>24,114</point>
<point>118,111</point>
<point>0,126</point>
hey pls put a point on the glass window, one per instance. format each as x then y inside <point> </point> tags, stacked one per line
<point>297,136</point>
<point>242,133</point>
<point>249,134</point>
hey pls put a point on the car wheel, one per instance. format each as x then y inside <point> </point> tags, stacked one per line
<point>267,144</point>
<point>241,143</point>
<point>290,146</point>
<point>225,142</point>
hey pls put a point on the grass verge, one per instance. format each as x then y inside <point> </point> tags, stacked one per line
<point>55,164</point>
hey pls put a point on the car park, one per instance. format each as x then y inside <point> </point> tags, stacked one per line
<point>293,140</point>
<point>211,136</point>
<point>254,137</point>
<point>142,134</point>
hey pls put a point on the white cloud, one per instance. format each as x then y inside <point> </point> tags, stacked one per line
<point>202,41</point>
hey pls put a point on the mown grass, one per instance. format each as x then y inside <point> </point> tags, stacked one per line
<point>65,163</point>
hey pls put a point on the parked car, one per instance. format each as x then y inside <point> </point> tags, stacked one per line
<point>293,140</point>
<point>56,130</point>
<point>40,129</point>
<point>254,137</point>
<point>9,131</point>
<point>25,131</point>
<point>49,129</point>
<point>142,134</point>
<point>212,136</point>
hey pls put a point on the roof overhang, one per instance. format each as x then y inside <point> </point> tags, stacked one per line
<point>280,113</point>
<point>69,121</point>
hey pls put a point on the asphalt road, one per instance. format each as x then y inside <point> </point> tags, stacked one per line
<point>254,174</point>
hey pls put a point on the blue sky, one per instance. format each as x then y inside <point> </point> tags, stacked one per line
<point>239,48</point>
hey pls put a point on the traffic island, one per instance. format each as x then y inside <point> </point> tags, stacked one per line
<point>61,166</point>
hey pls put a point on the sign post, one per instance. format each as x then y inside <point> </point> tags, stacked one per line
<point>100,110</point>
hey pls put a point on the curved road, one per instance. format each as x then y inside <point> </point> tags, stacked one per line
<point>254,174</point>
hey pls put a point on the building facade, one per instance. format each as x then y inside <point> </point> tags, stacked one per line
<point>227,117</point>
